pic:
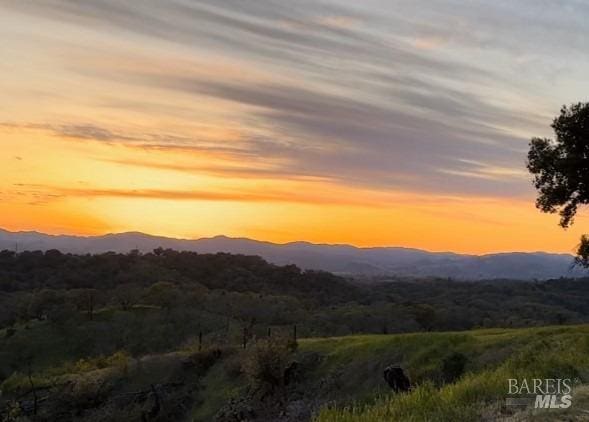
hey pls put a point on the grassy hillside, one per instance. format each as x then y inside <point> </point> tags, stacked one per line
<point>493,356</point>
<point>338,378</point>
<point>342,377</point>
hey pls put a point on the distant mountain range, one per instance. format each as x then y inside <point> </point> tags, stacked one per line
<point>340,259</point>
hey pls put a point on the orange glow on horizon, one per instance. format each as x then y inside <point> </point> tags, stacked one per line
<point>372,126</point>
<point>62,186</point>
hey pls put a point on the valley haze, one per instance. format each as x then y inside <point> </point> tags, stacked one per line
<point>339,259</point>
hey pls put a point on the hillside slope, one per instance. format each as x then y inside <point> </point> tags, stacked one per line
<point>492,357</point>
<point>337,379</point>
<point>342,377</point>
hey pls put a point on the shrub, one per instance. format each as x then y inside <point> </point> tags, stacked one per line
<point>264,364</point>
<point>233,366</point>
<point>202,360</point>
<point>453,367</point>
<point>119,360</point>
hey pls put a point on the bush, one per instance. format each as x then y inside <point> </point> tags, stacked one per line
<point>19,383</point>
<point>201,361</point>
<point>264,364</point>
<point>233,366</point>
<point>119,360</point>
<point>453,367</point>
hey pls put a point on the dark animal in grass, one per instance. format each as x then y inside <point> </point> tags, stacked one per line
<point>396,379</point>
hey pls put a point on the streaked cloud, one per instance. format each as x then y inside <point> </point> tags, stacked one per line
<point>372,99</point>
<point>39,194</point>
<point>388,116</point>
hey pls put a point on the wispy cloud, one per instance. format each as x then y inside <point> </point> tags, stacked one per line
<point>39,194</point>
<point>434,99</point>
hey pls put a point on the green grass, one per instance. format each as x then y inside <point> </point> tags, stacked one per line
<point>347,372</point>
<point>217,388</point>
<point>494,357</point>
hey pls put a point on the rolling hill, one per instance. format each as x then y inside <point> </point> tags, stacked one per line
<point>339,259</point>
<point>338,379</point>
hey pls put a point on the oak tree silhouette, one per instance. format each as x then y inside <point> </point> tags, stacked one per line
<point>560,168</point>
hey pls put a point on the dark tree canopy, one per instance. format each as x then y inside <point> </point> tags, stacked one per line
<point>561,168</point>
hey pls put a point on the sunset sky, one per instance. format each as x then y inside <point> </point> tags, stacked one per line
<point>401,123</point>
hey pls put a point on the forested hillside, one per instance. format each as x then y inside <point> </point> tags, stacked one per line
<point>77,313</point>
<point>217,292</point>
